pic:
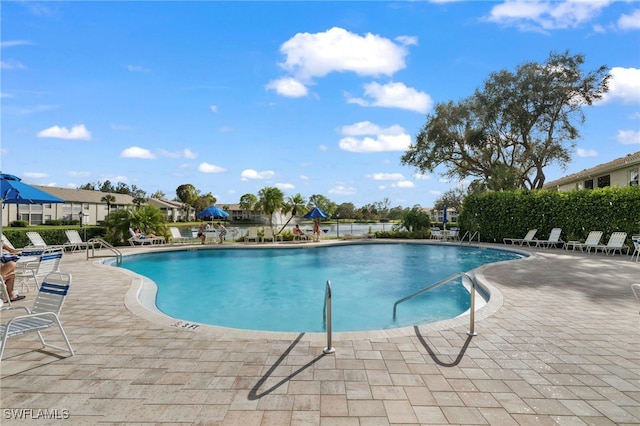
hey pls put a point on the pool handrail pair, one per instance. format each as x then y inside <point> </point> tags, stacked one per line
<point>472,295</point>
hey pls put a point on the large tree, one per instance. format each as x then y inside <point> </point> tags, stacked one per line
<point>515,126</point>
<point>270,200</point>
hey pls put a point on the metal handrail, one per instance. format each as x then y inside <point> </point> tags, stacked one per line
<point>100,243</point>
<point>326,317</point>
<point>471,236</point>
<point>472,296</point>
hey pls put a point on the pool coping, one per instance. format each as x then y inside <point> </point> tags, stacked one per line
<point>140,300</point>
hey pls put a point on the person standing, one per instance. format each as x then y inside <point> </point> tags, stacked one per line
<point>201,234</point>
<point>222,231</point>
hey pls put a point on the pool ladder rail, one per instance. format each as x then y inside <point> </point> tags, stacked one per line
<point>99,243</point>
<point>469,237</point>
<point>326,317</point>
<point>472,295</point>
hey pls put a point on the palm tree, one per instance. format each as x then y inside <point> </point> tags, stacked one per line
<point>109,199</point>
<point>295,205</point>
<point>270,199</point>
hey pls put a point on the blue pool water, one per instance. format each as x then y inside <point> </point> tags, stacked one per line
<point>283,289</point>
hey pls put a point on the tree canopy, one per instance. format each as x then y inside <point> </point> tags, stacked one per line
<point>506,133</point>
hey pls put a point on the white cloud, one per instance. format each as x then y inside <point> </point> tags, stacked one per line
<point>394,95</point>
<point>289,87</point>
<point>624,86</point>
<point>404,184</point>
<point>35,175</point>
<point>137,152</point>
<point>184,153</point>
<point>368,137</point>
<point>338,50</point>
<point>387,176</point>
<point>254,174</point>
<point>13,43</point>
<point>630,22</point>
<point>586,152</point>
<point>78,132</point>
<point>213,108</point>
<point>628,137</point>
<point>78,174</point>
<point>546,15</point>
<point>342,190</point>
<point>421,176</point>
<point>12,64</point>
<point>210,168</point>
<point>285,186</point>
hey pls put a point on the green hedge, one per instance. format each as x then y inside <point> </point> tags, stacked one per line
<point>498,215</point>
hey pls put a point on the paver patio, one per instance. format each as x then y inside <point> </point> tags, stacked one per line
<point>559,343</point>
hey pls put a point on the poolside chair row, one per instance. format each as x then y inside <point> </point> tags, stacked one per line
<point>252,235</point>
<point>530,239</point>
<point>615,244</point>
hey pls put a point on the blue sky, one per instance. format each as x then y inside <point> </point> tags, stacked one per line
<point>311,97</point>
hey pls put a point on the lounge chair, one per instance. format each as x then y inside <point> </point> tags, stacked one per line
<point>636,246</point>
<point>252,235</point>
<point>48,261</point>
<point>636,291</point>
<point>436,233</point>
<point>176,236</point>
<point>553,240</point>
<point>268,235</point>
<point>615,243</point>
<point>134,239</point>
<point>44,314</point>
<point>74,241</point>
<point>528,239</point>
<point>592,241</point>
<point>453,234</point>
<point>6,242</point>
<point>38,242</point>
<point>4,293</point>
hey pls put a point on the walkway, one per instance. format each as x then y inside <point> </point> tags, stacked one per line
<point>563,348</point>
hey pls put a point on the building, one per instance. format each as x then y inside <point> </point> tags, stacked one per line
<point>620,172</point>
<point>173,211</point>
<point>83,205</point>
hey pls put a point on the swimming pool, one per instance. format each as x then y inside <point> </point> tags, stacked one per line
<point>283,289</point>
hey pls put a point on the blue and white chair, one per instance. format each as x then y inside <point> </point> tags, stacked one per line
<point>44,314</point>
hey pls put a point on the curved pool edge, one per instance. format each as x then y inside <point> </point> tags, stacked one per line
<point>140,300</point>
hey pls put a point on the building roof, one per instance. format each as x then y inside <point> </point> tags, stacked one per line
<point>598,170</point>
<point>166,204</point>
<point>85,195</point>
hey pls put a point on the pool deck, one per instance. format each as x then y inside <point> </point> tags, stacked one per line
<point>559,344</point>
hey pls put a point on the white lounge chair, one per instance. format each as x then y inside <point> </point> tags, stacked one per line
<point>528,239</point>
<point>133,240</point>
<point>553,240</point>
<point>48,261</point>
<point>74,241</point>
<point>252,235</point>
<point>4,293</point>
<point>436,233</point>
<point>6,242</point>
<point>615,243</point>
<point>592,241</point>
<point>636,247</point>
<point>177,237</point>
<point>44,314</point>
<point>636,291</point>
<point>38,242</point>
<point>269,235</point>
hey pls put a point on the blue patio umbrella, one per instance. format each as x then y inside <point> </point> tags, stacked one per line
<point>316,213</point>
<point>444,217</point>
<point>14,191</point>
<point>214,212</point>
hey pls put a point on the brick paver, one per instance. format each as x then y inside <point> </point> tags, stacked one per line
<point>558,343</point>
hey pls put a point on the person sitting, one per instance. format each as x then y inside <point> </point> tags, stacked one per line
<point>8,272</point>
<point>201,234</point>
<point>297,232</point>
<point>222,232</point>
